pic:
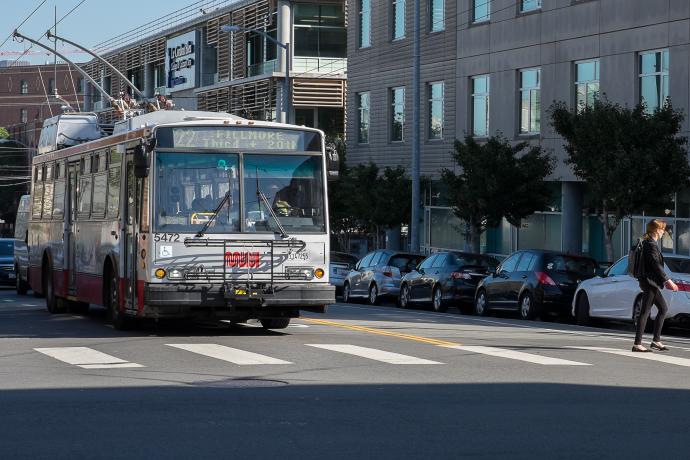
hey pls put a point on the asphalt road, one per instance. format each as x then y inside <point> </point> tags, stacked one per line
<point>357,382</point>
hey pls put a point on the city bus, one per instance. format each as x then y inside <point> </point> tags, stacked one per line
<point>181,214</point>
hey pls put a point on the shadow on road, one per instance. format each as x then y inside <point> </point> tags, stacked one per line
<point>264,419</point>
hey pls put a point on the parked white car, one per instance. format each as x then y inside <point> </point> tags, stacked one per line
<point>617,295</point>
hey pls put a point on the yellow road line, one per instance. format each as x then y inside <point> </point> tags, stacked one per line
<point>416,338</point>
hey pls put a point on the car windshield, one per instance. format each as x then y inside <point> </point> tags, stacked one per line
<point>405,262</point>
<point>293,186</point>
<point>677,265</point>
<point>472,259</point>
<point>577,265</point>
<point>190,186</point>
<point>6,248</point>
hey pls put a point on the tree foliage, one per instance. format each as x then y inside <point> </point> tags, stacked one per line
<point>496,180</point>
<point>4,134</point>
<point>629,158</point>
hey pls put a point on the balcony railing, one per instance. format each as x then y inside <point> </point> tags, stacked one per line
<point>262,68</point>
<point>319,65</point>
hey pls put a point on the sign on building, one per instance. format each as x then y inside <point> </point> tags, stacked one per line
<point>181,61</point>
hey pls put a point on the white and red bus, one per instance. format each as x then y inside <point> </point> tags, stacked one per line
<point>181,214</point>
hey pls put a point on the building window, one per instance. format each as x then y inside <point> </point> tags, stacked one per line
<point>435,124</point>
<point>480,106</point>
<point>398,9</point>
<point>654,79</point>
<point>437,19</point>
<point>24,87</point>
<point>397,113</point>
<point>363,106</point>
<point>23,116</point>
<point>529,5</point>
<point>51,86</point>
<point>319,31</point>
<point>586,83</point>
<point>364,23</point>
<point>481,10</point>
<point>530,104</point>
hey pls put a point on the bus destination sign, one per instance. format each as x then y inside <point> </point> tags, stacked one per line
<point>237,138</point>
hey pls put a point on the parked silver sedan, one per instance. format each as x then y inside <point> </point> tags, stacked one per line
<point>378,275</point>
<point>340,265</point>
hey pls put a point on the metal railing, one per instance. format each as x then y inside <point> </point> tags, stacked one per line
<point>319,65</point>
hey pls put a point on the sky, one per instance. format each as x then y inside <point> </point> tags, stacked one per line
<point>91,23</point>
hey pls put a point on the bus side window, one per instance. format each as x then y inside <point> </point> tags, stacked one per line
<point>114,177</point>
<point>37,194</point>
<point>84,196</point>
<point>48,187</point>
<point>100,184</point>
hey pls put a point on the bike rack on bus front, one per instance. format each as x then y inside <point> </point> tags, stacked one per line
<point>254,288</point>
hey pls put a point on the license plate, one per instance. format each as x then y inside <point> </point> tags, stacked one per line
<point>240,292</point>
<point>12,276</point>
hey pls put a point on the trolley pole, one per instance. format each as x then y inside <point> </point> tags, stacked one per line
<point>414,215</point>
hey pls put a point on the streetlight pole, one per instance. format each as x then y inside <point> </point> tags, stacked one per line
<point>286,47</point>
<point>414,215</point>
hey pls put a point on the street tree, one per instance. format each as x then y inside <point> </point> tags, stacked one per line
<point>630,159</point>
<point>496,180</point>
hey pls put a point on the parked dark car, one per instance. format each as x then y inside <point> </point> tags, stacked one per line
<point>340,266</point>
<point>8,277</point>
<point>534,282</point>
<point>378,275</point>
<point>444,278</point>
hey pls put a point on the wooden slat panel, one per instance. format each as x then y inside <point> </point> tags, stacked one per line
<point>323,92</point>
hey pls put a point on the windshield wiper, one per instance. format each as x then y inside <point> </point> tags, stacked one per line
<point>208,223</point>
<point>263,198</point>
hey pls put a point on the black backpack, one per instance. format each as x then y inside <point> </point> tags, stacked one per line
<point>635,261</point>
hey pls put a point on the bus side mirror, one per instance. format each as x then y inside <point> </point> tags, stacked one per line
<point>332,161</point>
<point>142,158</point>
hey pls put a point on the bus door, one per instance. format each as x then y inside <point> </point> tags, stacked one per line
<point>130,245</point>
<point>70,249</point>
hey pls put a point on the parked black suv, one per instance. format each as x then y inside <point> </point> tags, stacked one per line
<point>534,282</point>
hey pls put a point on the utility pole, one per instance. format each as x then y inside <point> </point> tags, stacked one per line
<point>414,216</point>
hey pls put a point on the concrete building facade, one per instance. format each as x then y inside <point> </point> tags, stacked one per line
<point>497,66</point>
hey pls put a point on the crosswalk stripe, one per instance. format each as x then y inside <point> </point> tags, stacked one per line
<point>650,356</point>
<point>232,355</point>
<point>86,358</point>
<point>518,355</point>
<point>372,353</point>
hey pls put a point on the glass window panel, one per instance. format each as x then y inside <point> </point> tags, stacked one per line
<point>529,78</point>
<point>114,191</point>
<point>364,23</point>
<point>649,89</point>
<point>437,15</point>
<point>479,125</point>
<point>529,5</point>
<point>481,10</point>
<point>586,71</point>
<point>398,113</point>
<point>649,63</point>
<point>683,237</point>
<point>480,85</point>
<point>332,42</point>
<point>665,60</point>
<point>363,118</point>
<point>436,111</point>
<point>535,111</point>
<point>398,19</point>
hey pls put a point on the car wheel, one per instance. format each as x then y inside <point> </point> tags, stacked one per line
<point>404,299</point>
<point>373,295</point>
<point>481,305</point>
<point>637,308</point>
<point>527,310</point>
<point>346,292</point>
<point>275,323</point>
<point>437,300</point>
<point>582,310</point>
<point>22,286</point>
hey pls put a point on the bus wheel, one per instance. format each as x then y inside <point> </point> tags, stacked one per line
<point>116,313</point>
<point>22,286</point>
<point>52,304</point>
<point>275,323</point>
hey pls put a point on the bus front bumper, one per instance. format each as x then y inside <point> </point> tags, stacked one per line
<point>235,300</point>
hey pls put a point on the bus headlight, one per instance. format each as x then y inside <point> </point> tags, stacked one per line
<point>299,273</point>
<point>175,274</point>
<point>160,273</point>
<point>319,273</point>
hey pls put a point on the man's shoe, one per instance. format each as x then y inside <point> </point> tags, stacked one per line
<point>640,349</point>
<point>658,346</point>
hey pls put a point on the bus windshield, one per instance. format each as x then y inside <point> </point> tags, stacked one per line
<point>190,186</point>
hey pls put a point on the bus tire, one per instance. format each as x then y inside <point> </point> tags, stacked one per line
<point>116,314</point>
<point>52,303</point>
<point>275,323</point>
<point>22,286</point>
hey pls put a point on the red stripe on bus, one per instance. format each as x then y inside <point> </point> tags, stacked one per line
<point>90,288</point>
<point>140,297</point>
